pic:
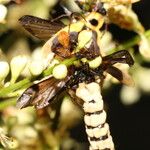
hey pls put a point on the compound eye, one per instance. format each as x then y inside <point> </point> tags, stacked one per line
<point>94,22</point>
<point>102,11</point>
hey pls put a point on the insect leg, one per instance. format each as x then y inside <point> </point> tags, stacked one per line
<point>115,72</point>
<point>123,77</point>
<point>123,53</point>
<point>113,61</point>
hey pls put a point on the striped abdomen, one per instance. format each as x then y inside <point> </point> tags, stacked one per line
<point>95,117</point>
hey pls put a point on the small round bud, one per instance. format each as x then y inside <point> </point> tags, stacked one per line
<point>60,71</point>
<point>17,65</point>
<point>84,60</point>
<point>4,70</point>
<point>36,67</point>
<point>95,62</point>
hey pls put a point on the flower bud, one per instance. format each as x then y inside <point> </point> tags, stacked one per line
<point>144,46</point>
<point>4,70</point>
<point>60,71</point>
<point>129,95</point>
<point>36,67</point>
<point>17,65</point>
<point>95,62</point>
<point>3,13</point>
<point>142,78</point>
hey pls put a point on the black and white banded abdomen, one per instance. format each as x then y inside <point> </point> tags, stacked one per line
<point>95,117</point>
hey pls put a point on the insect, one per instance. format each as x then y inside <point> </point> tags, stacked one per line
<point>61,44</point>
<point>66,44</point>
<point>44,92</point>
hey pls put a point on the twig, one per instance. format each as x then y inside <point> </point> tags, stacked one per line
<point>8,102</point>
<point>130,43</point>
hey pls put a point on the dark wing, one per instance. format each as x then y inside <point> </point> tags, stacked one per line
<point>40,28</point>
<point>122,56</point>
<point>40,94</point>
<point>123,77</point>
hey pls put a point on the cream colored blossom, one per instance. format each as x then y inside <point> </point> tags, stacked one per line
<point>17,65</point>
<point>60,71</point>
<point>4,70</point>
<point>106,42</point>
<point>142,77</point>
<point>95,62</point>
<point>3,13</point>
<point>36,67</point>
<point>129,95</point>
<point>144,47</point>
<point>68,108</point>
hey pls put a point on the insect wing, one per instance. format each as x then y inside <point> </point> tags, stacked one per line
<point>40,28</point>
<point>74,98</point>
<point>40,94</point>
<point>122,76</point>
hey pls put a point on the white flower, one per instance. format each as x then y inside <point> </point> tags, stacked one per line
<point>3,13</point>
<point>36,67</point>
<point>106,42</point>
<point>37,54</point>
<point>144,46</point>
<point>60,71</point>
<point>95,62</point>
<point>129,95</point>
<point>4,70</point>
<point>142,77</point>
<point>17,65</point>
<point>68,108</point>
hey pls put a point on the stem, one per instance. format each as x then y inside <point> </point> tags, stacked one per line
<point>8,102</point>
<point>6,90</point>
<point>67,62</point>
<point>26,82</point>
<point>130,43</point>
